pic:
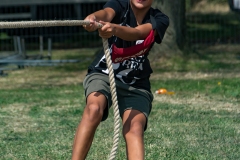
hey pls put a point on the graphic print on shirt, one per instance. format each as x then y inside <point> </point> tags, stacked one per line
<point>127,71</point>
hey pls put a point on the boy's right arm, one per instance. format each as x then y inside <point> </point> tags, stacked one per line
<point>105,14</point>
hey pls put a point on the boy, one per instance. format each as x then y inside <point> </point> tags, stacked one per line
<point>132,27</point>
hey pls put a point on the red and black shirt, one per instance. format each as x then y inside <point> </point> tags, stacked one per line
<point>130,58</point>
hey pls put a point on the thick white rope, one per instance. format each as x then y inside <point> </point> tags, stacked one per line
<point>114,100</point>
<point>31,24</point>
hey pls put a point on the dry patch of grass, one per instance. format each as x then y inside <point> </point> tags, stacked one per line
<point>194,75</point>
<point>201,102</point>
<point>205,7</point>
<point>44,76</point>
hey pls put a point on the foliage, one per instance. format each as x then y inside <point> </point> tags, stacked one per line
<point>3,36</point>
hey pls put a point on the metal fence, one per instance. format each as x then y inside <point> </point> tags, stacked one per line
<point>208,26</point>
<point>61,37</point>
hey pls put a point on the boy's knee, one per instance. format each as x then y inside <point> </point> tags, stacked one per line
<point>93,112</point>
<point>134,129</point>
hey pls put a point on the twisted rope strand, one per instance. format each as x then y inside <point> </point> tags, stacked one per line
<point>114,99</point>
<point>31,24</point>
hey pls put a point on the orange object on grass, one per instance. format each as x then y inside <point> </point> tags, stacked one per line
<point>161,91</point>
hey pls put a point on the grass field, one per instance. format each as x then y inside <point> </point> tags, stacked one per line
<point>40,108</point>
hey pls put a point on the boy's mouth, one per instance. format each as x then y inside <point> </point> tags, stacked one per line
<point>140,1</point>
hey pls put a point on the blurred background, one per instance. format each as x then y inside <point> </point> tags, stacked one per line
<point>206,22</point>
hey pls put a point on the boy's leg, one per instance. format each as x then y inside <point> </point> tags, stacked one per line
<point>92,115</point>
<point>133,131</point>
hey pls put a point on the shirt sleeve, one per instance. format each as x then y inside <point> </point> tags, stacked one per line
<point>118,6</point>
<point>160,23</point>
<point>112,4</point>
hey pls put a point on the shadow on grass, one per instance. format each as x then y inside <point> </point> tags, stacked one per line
<point>215,58</point>
<point>213,28</point>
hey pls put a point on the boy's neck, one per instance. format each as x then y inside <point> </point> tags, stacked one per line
<point>139,14</point>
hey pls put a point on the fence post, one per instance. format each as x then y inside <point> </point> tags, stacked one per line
<point>49,48</point>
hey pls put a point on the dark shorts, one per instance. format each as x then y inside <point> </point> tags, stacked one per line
<point>128,97</point>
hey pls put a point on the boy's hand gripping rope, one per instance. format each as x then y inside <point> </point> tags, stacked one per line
<point>31,24</point>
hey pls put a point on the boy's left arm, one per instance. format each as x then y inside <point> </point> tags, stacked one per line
<point>124,32</point>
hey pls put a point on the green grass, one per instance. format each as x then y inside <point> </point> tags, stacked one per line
<point>40,108</point>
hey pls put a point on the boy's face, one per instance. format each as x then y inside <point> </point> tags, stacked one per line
<point>142,4</point>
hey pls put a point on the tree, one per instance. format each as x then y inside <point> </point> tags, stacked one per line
<point>174,38</point>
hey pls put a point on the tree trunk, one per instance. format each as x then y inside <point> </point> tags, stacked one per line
<point>174,39</point>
